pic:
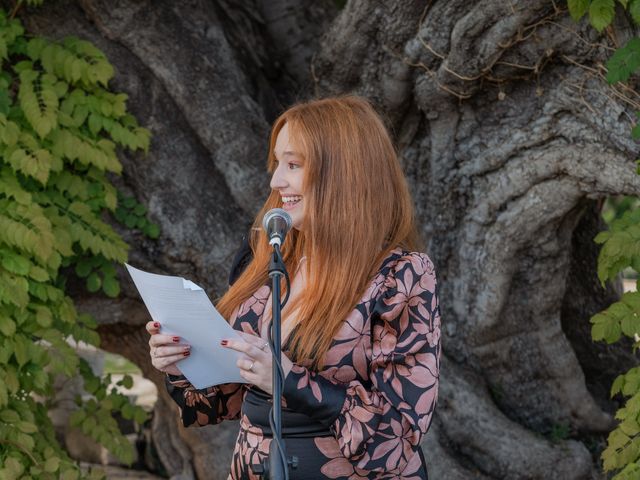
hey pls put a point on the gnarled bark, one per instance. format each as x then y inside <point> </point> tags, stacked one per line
<point>508,134</point>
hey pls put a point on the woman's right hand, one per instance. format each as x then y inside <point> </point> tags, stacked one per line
<point>166,350</point>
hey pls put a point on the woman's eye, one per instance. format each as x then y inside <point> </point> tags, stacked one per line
<point>293,166</point>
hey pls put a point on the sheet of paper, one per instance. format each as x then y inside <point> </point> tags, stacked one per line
<point>182,308</point>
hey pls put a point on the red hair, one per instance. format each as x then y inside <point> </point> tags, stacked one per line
<point>357,208</point>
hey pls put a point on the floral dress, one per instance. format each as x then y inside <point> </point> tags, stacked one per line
<point>365,413</point>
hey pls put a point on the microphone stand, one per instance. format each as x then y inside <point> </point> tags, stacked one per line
<point>276,467</point>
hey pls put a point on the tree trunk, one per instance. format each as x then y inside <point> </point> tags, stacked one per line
<point>509,137</point>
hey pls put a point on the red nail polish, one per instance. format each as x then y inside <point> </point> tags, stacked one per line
<point>156,324</point>
<point>186,354</point>
<point>176,339</point>
<point>223,342</point>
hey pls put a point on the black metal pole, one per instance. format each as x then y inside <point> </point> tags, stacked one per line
<point>276,466</point>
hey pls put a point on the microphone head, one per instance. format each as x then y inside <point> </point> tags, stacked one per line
<point>276,222</point>
<point>273,213</point>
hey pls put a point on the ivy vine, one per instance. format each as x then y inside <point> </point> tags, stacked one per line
<point>620,250</point>
<point>60,130</point>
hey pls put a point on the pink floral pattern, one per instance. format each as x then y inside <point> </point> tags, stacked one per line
<point>376,394</point>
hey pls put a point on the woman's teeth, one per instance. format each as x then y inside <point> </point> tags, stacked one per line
<point>292,199</point>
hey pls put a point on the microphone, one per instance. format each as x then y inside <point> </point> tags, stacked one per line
<point>276,222</point>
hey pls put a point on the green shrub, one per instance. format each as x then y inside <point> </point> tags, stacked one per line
<point>60,127</point>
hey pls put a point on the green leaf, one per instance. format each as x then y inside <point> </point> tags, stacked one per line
<point>127,411</point>
<point>577,8</point>
<point>129,202</point>
<point>618,383</point>
<point>127,382</point>
<point>52,464</point>
<point>601,13</point>
<point>95,123</point>
<point>631,384</point>
<point>7,326</point>
<point>4,396</point>
<point>11,380</point>
<point>91,384</point>
<point>93,282</point>
<point>69,474</point>
<point>88,425</point>
<point>26,441</point>
<point>35,47</point>
<point>9,416</point>
<point>96,474</point>
<point>83,268</point>
<point>15,263</point>
<point>6,351</point>
<point>39,274</point>
<point>27,427</point>
<point>612,332</point>
<point>111,287</point>
<point>634,10</point>
<point>140,209</point>
<point>140,416</point>
<point>624,61</point>
<point>5,102</point>
<point>44,317</point>
<point>631,321</point>
<point>20,350</point>
<point>152,230</point>
<point>130,221</point>
<point>13,468</point>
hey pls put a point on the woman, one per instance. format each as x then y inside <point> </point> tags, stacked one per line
<point>361,330</point>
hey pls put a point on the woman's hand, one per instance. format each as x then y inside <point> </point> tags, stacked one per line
<point>255,364</point>
<point>166,350</point>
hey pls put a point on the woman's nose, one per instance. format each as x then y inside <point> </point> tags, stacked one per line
<point>278,180</point>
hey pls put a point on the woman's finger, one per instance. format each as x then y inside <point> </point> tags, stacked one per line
<point>170,350</point>
<point>250,365</point>
<point>243,347</point>
<point>158,339</point>
<point>166,362</point>
<point>256,341</point>
<point>252,339</point>
<point>152,327</point>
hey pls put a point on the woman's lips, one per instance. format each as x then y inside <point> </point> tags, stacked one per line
<point>289,202</point>
<point>290,205</point>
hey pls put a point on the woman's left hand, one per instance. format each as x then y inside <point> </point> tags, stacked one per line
<point>255,364</point>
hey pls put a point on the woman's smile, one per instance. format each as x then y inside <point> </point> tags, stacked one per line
<point>289,202</point>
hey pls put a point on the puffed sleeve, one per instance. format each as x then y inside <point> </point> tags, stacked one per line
<point>207,406</point>
<point>379,427</point>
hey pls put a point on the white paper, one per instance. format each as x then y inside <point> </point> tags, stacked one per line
<point>182,308</point>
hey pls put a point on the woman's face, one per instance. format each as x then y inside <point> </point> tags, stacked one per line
<point>288,176</point>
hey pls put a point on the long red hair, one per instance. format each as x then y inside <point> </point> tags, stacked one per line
<point>357,208</point>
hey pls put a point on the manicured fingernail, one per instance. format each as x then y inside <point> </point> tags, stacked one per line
<point>156,324</point>
<point>223,342</point>
<point>186,354</point>
<point>176,339</point>
<point>187,348</point>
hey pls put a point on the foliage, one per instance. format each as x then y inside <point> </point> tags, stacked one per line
<point>620,246</point>
<point>620,250</point>
<point>60,127</point>
<point>615,207</point>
